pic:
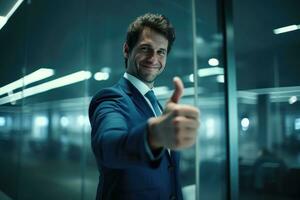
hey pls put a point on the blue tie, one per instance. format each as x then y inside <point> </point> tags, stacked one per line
<point>152,98</point>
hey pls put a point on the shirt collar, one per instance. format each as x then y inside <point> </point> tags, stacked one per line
<point>140,85</point>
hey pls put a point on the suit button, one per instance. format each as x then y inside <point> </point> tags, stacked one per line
<point>172,197</point>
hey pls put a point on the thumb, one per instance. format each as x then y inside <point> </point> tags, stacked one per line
<point>178,90</point>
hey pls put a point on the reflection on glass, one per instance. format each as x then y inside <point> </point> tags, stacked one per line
<point>268,106</point>
<point>26,80</point>
<point>45,135</point>
<point>44,87</point>
<point>286,29</point>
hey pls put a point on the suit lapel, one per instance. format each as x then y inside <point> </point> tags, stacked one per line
<point>137,98</point>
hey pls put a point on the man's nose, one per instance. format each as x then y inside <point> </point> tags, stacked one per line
<point>152,57</point>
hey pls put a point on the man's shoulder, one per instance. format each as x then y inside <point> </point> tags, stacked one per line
<point>114,93</point>
<point>118,89</point>
<point>110,92</point>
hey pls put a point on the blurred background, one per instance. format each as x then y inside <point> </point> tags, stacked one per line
<point>55,55</point>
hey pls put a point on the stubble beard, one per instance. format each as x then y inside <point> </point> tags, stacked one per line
<point>142,77</point>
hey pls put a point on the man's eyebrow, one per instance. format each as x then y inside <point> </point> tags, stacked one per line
<point>149,45</point>
<point>162,49</point>
<point>145,44</point>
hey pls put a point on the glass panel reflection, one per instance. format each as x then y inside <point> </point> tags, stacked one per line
<point>44,131</point>
<point>212,141</point>
<point>268,90</point>
<point>12,62</point>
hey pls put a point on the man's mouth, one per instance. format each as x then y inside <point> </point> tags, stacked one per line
<point>150,67</point>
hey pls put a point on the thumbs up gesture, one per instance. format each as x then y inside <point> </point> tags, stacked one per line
<point>177,127</point>
<point>178,90</point>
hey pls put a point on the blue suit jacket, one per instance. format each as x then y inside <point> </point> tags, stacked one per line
<point>118,117</point>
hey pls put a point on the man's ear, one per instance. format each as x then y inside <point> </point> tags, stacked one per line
<point>125,50</point>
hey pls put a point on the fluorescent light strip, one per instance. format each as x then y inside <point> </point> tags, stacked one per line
<point>162,90</point>
<point>101,76</point>
<point>14,8</point>
<point>277,90</point>
<point>4,19</point>
<point>220,78</point>
<point>26,80</point>
<point>286,29</point>
<point>56,83</point>
<point>210,71</point>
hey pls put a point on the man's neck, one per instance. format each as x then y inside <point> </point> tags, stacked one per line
<point>149,84</point>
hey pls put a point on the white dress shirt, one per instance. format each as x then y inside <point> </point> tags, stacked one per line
<point>141,87</point>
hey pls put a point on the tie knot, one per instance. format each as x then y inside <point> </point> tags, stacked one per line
<point>151,96</point>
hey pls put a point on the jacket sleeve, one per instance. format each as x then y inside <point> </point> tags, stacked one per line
<point>116,143</point>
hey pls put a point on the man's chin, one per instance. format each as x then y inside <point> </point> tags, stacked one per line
<point>148,80</point>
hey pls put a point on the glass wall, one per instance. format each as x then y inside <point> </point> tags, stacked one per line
<point>211,152</point>
<point>62,53</point>
<point>268,68</point>
<point>13,61</point>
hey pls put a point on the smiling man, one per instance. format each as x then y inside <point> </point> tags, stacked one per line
<point>148,58</point>
<point>135,141</point>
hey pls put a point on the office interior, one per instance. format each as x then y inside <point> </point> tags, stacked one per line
<point>239,61</point>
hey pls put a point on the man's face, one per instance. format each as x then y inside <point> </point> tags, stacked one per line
<point>148,57</point>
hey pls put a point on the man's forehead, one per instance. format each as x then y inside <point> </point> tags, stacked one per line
<point>150,36</point>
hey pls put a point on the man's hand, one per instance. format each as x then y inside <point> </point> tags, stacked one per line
<point>177,127</point>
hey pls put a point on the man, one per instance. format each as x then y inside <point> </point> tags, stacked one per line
<point>133,140</point>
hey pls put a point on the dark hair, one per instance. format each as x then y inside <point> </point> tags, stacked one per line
<point>157,22</point>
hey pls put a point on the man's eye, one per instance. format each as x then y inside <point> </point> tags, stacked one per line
<point>162,53</point>
<point>145,49</point>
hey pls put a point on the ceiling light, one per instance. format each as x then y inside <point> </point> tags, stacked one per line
<point>191,78</point>
<point>2,121</point>
<point>297,124</point>
<point>210,71</point>
<point>210,128</point>
<point>41,121</point>
<point>26,80</point>
<point>292,99</point>
<point>100,76</point>
<point>213,62</point>
<point>286,29</point>
<point>245,123</point>
<point>4,19</point>
<point>64,121</point>
<point>56,83</point>
<point>220,78</point>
